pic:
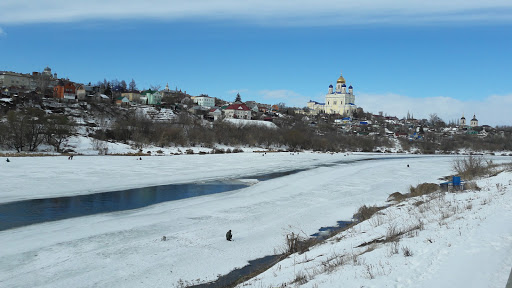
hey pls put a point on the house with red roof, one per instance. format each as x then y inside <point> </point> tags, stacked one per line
<point>215,113</point>
<point>238,111</point>
<point>65,90</point>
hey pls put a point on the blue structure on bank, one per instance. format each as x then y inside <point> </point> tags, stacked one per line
<point>455,184</point>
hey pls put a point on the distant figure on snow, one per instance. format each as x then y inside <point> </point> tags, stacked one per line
<point>407,165</point>
<point>229,236</point>
<point>140,158</point>
<point>10,161</point>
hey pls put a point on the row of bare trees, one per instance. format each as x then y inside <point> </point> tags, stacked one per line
<point>26,130</point>
<point>187,130</point>
<point>431,143</point>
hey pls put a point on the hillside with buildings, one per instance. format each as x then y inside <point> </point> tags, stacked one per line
<point>40,112</point>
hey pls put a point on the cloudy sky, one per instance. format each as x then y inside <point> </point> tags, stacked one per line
<point>425,57</point>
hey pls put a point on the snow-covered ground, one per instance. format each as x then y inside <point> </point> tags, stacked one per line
<point>452,240</point>
<point>124,249</point>
<point>244,122</point>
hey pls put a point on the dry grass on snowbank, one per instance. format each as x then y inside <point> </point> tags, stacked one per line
<point>436,210</point>
<point>473,167</point>
<point>426,208</point>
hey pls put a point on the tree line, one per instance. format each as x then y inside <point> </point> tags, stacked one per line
<point>26,130</point>
<point>187,130</point>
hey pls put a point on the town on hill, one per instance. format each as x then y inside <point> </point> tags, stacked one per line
<point>40,112</point>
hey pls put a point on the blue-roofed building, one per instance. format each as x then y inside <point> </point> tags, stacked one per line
<point>339,100</point>
<point>315,107</point>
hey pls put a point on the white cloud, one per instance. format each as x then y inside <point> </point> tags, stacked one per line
<point>289,97</point>
<point>492,110</point>
<point>236,91</point>
<point>267,12</point>
<point>2,32</point>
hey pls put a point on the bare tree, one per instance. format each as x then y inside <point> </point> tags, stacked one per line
<point>281,105</point>
<point>58,130</point>
<point>155,87</point>
<point>105,84</point>
<point>436,121</point>
<point>25,129</point>
<point>114,83</point>
<point>132,85</point>
<point>35,128</point>
<point>16,126</point>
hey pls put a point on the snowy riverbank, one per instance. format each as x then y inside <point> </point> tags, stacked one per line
<point>444,240</point>
<point>124,249</point>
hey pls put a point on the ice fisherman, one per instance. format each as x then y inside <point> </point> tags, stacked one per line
<point>10,161</point>
<point>229,235</point>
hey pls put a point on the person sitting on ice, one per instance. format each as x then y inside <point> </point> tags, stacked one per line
<point>229,236</point>
<point>10,161</point>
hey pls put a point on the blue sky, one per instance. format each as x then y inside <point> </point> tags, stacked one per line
<point>441,57</point>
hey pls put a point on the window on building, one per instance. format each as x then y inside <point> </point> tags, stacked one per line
<point>334,103</point>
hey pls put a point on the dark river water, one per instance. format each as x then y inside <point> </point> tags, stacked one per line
<point>22,213</point>
<point>27,212</point>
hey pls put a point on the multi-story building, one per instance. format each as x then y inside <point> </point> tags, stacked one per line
<point>204,101</point>
<point>337,101</point>
<point>65,90</point>
<point>133,96</point>
<point>9,79</point>
<point>238,110</point>
<point>150,97</point>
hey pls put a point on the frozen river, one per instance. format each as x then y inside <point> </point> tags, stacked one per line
<point>33,211</point>
<point>123,249</point>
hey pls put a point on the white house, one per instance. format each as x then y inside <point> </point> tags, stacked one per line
<point>238,110</point>
<point>215,113</point>
<point>204,101</point>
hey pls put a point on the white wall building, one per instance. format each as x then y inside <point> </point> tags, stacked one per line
<point>463,121</point>
<point>204,101</point>
<point>238,110</point>
<point>337,101</point>
<point>340,101</point>
<point>474,121</point>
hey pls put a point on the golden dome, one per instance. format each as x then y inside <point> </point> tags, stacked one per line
<point>341,80</point>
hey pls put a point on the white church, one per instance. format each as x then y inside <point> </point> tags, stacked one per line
<point>340,101</point>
